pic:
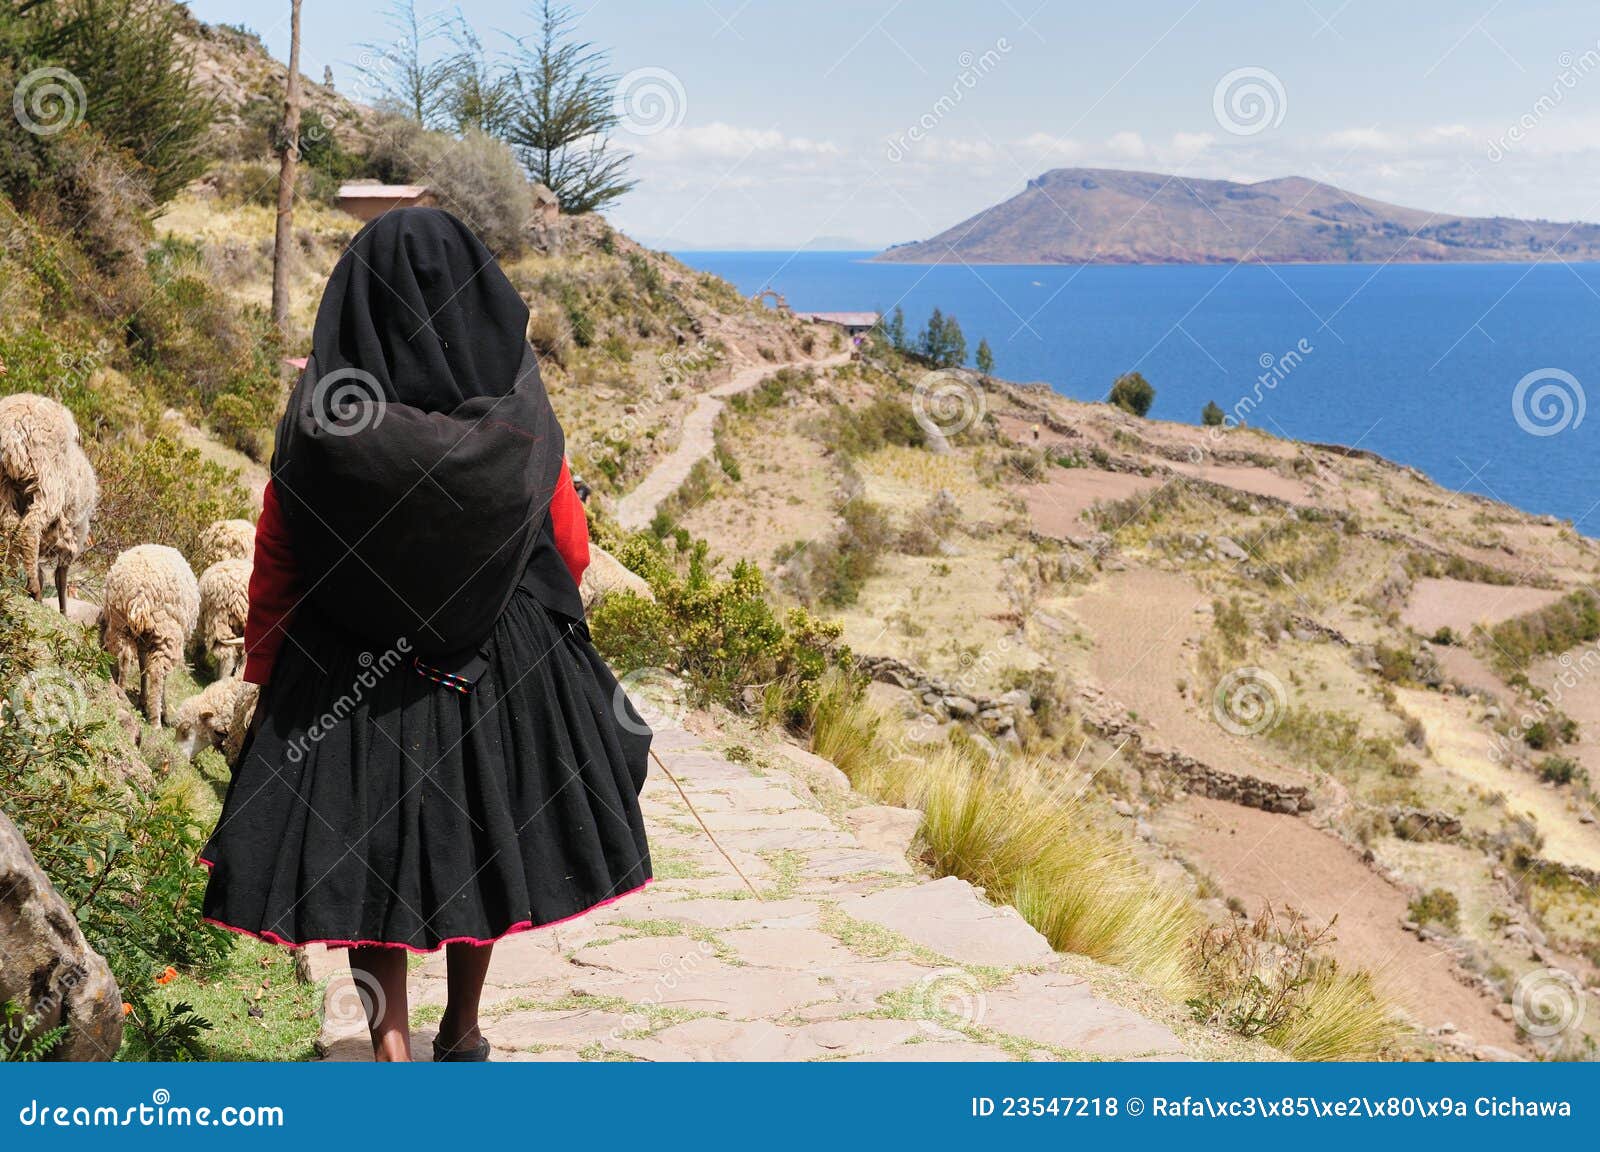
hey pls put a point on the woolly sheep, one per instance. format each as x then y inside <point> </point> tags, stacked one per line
<point>227,540</point>
<point>217,717</point>
<point>48,490</point>
<point>151,605</point>
<point>224,604</point>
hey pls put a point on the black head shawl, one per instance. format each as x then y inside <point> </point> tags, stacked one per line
<point>418,453</point>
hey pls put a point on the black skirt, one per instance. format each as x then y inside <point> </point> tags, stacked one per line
<point>375,806</point>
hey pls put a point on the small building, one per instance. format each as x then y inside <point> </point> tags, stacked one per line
<point>369,201</point>
<point>855,324</point>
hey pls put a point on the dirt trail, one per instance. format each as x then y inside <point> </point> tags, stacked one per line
<point>1264,857</point>
<point>636,509</point>
<point>846,955</point>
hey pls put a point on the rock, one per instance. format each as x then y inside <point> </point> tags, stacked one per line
<point>1122,808</point>
<point>949,917</point>
<point>885,828</point>
<point>1059,1010</point>
<point>46,966</point>
<point>606,576</point>
<point>82,612</point>
<point>1018,699</point>
<point>960,706</point>
<point>817,771</point>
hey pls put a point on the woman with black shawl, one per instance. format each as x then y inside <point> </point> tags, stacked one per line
<point>439,757</point>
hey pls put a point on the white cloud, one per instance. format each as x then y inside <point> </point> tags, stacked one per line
<point>1127,145</point>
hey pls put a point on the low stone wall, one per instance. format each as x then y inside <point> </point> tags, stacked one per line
<point>995,714</point>
<point>1111,721</point>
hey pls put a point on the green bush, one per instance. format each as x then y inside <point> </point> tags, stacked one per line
<point>832,571</point>
<point>1132,393</point>
<point>1212,415</point>
<point>722,636</point>
<point>885,421</point>
<point>1560,770</point>
<point>121,851</point>
<point>159,492</point>
<point>1572,620</point>
<point>1436,906</point>
<point>1549,731</point>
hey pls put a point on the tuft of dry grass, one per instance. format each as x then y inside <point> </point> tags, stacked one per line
<point>1024,839</point>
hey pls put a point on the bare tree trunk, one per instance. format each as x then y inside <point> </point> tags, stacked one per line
<point>283,241</point>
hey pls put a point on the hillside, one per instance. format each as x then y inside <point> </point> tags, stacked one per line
<point>1039,730</point>
<point>1109,216</point>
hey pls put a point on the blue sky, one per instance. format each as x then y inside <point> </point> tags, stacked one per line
<point>881,121</point>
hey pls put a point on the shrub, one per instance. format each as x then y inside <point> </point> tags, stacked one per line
<point>1132,393</point>
<point>478,179</point>
<point>1561,770</point>
<point>833,571</point>
<point>1212,415</point>
<point>1572,620</point>
<point>1436,906</point>
<point>120,852</point>
<point>160,492</point>
<point>1549,731</point>
<point>885,421</point>
<point>721,636</point>
<point>1271,978</point>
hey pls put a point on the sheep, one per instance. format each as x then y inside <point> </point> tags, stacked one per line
<point>66,536</point>
<point>47,487</point>
<point>151,605</point>
<point>224,604</point>
<point>217,717</point>
<point>227,540</point>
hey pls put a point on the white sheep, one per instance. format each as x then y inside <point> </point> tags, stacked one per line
<point>151,605</point>
<point>227,540</point>
<point>224,604</point>
<point>48,490</point>
<point>217,717</point>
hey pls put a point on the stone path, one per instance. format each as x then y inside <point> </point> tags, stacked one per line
<point>847,954</point>
<point>637,508</point>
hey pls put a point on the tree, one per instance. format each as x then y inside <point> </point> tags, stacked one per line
<point>896,329</point>
<point>479,96</point>
<point>942,343</point>
<point>283,238</point>
<point>1132,393</point>
<point>563,115</point>
<point>985,357</point>
<point>1212,415</point>
<point>134,75</point>
<point>401,72</point>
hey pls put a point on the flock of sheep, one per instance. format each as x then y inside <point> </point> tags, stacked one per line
<point>152,604</point>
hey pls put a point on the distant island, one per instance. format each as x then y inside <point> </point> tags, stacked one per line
<point>1110,216</point>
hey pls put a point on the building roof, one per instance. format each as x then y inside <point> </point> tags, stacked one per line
<point>845,319</point>
<point>381,191</point>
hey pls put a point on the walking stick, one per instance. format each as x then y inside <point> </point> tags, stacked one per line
<point>693,811</point>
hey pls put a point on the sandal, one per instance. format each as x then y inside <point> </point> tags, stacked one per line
<point>474,1055</point>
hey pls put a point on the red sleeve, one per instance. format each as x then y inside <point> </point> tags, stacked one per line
<point>274,591</point>
<point>570,525</point>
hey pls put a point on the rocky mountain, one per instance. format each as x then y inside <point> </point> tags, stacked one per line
<point>1109,216</point>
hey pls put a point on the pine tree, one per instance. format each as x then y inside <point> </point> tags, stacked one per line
<point>896,329</point>
<point>563,115</point>
<point>1212,414</point>
<point>985,358</point>
<point>405,74</point>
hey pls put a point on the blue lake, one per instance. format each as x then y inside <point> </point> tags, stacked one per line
<point>1421,363</point>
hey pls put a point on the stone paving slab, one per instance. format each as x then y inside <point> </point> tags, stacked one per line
<point>843,954</point>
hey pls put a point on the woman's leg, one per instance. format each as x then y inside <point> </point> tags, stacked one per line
<point>380,975</point>
<point>466,967</point>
